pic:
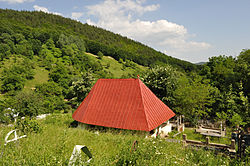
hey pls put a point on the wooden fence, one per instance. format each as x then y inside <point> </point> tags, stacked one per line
<point>207,143</point>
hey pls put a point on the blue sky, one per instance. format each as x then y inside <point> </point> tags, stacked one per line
<point>192,30</point>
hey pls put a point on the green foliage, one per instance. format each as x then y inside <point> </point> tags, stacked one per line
<point>69,40</point>
<point>244,56</point>
<point>194,98</point>
<point>163,81</point>
<point>23,69</point>
<point>58,44</point>
<point>96,66</point>
<point>107,66</point>
<point>80,87</point>
<point>129,63</point>
<point>69,50</point>
<point>247,153</point>
<point>231,77</point>
<point>100,54</point>
<point>50,53</point>
<point>49,89</point>
<point>191,96</point>
<point>14,77</point>
<point>243,106</point>
<point>60,75</point>
<point>6,38</point>
<point>27,103</point>
<point>236,120</point>
<point>12,82</point>
<point>42,26</point>
<point>243,68</point>
<point>221,71</point>
<point>36,46</point>
<point>5,114</point>
<point>53,96</point>
<point>25,49</point>
<point>234,107</point>
<point>4,51</point>
<point>27,126</point>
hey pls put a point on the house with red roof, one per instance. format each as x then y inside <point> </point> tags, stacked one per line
<point>124,104</point>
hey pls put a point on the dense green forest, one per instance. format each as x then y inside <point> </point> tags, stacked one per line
<point>46,67</point>
<point>41,26</point>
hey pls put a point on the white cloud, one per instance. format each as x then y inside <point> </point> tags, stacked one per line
<point>45,10</point>
<point>119,8</point>
<point>76,15</point>
<point>40,8</point>
<point>122,17</point>
<point>16,1</point>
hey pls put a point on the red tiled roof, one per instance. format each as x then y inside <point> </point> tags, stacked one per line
<point>122,103</point>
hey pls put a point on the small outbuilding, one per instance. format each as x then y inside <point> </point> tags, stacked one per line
<point>124,104</point>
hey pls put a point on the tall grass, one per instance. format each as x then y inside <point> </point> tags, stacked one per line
<point>192,135</point>
<point>54,145</point>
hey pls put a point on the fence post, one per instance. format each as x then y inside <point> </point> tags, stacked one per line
<point>243,148</point>
<point>207,140</point>
<point>232,144</point>
<point>184,136</point>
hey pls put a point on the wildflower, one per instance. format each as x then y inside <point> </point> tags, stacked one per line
<point>157,152</point>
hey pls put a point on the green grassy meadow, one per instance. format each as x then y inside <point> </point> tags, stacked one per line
<point>41,76</point>
<point>54,145</point>
<point>115,67</point>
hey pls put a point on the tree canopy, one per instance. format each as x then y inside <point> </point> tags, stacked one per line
<point>217,90</point>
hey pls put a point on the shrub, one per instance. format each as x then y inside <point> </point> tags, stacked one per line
<point>100,55</point>
<point>28,125</point>
<point>6,115</point>
<point>12,83</point>
<point>27,104</point>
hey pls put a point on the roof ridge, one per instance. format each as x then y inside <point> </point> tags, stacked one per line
<point>122,104</point>
<point>144,108</point>
<point>117,78</point>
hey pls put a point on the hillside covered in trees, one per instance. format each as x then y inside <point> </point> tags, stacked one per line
<point>49,64</point>
<point>42,26</point>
